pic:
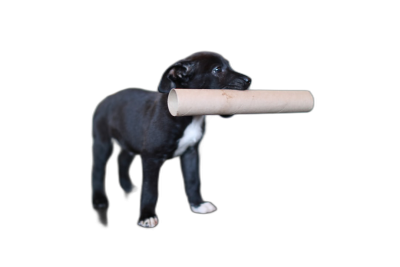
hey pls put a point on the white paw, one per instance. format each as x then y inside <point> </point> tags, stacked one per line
<point>206,207</point>
<point>149,222</point>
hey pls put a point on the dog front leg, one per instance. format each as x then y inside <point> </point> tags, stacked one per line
<point>191,176</point>
<point>151,170</point>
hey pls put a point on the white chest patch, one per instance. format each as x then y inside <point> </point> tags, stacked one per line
<point>191,135</point>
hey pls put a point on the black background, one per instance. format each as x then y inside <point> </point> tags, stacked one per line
<point>268,175</point>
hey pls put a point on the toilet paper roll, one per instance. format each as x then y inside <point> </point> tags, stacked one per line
<point>192,102</point>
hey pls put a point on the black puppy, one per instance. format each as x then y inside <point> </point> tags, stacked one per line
<point>140,122</point>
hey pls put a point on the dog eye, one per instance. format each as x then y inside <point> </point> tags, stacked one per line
<point>217,69</point>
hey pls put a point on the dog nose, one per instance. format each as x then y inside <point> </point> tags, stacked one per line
<point>247,80</point>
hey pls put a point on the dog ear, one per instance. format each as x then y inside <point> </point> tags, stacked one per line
<point>176,76</point>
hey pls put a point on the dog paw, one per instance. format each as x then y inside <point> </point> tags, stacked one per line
<point>203,208</point>
<point>149,222</point>
<point>100,202</point>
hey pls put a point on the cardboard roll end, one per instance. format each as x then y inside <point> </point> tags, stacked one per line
<point>173,102</point>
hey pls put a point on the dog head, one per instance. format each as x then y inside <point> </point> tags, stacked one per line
<point>203,70</point>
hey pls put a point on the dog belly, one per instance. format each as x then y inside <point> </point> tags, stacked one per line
<point>191,136</point>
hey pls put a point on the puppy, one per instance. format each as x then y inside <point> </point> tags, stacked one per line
<point>141,123</point>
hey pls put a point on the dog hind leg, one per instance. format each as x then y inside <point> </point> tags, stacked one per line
<point>125,159</point>
<point>102,149</point>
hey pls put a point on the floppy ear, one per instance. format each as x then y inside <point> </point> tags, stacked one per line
<point>176,76</point>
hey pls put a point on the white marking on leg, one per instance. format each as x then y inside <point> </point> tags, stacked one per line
<point>149,222</point>
<point>206,207</point>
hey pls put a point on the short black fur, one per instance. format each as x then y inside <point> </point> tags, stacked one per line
<point>140,122</point>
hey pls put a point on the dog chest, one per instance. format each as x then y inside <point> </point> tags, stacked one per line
<point>191,135</point>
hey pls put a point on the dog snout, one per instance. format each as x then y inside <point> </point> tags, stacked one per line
<point>240,82</point>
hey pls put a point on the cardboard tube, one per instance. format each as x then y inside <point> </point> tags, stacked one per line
<point>192,102</point>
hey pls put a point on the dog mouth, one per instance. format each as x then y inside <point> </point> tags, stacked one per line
<point>235,87</point>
